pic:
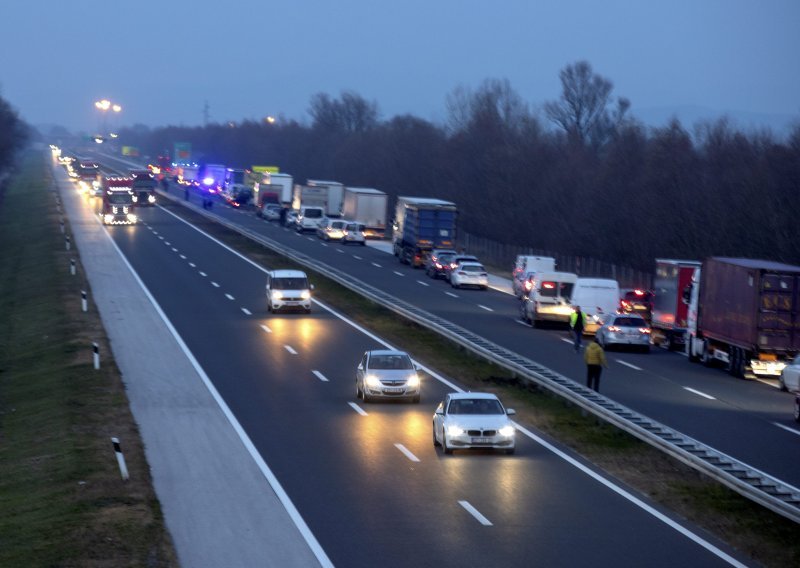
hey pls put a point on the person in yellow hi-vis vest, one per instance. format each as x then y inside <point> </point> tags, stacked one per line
<point>577,323</point>
<point>595,359</point>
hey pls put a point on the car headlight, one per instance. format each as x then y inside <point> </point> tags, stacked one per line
<point>108,218</point>
<point>413,381</point>
<point>372,381</point>
<point>506,431</point>
<point>151,198</point>
<point>131,217</point>
<point>277,294</point>
<point>305,294</point>
<point>454,430</point>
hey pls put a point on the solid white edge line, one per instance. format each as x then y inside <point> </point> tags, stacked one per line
<point>289,349</point>
<point>247,312</point>
<point>623,493</point>
<point>621,362</point>
<point>406,452</point>
<point>266,328</point>
<point>292,511</point>
<point>485,308</point>
<point>792,430</point>
<point>632,498</point>
<point>320,376</point>
<point>423,283</point>
<point>475,513</point>
<point>358,409</point>
<point>698,393</point>
<point>229,297</point>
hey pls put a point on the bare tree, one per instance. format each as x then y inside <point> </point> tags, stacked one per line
<point>582,111</point>
<point>347,115</point>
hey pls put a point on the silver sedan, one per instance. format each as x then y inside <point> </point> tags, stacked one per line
<point>624,329</point>
<point>387,374</point>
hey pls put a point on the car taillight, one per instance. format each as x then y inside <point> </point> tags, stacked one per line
<point>625,304</point>
<point>613,328</point>
<point>453,265</point>
<point>644,330</point>
<point>437,265</point>
<point>528,285</point>
<point>639,292</point>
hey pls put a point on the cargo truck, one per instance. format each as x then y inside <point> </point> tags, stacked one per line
<point>274,187</point>
<point>144,187</point>
<point>420,225</point>
<point>669,315</point>
<point>118,207</point>
<point>366,206</point>
<point>318,193</point>
<point>744,314</point>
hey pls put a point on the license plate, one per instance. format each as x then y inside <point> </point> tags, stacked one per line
<point>393,390</point>
<point>481,440</point>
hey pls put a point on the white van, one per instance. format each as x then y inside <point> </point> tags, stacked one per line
<point>288,289</point>
<point>549,298</point>
<point>525,269</point>
<point>597,297</point>
<point>308,218</point>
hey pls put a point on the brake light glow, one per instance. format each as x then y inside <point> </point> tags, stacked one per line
<point>528,285</point>
<point>548,285</point>
<point>614,328</point>
<point>644,330</point>
<point>639,292</point>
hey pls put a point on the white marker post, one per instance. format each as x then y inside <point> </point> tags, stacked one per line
<point>123,469</point>
<point>62,227</point>
<point>72,266</point>
<point>96,356</point>
<point>84,303</point>
<point>67,243</point>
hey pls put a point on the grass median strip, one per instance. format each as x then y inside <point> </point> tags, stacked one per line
<point>765,537</point>
<point>62,499</point>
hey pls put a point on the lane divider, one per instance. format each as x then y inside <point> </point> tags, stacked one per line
<point>698,393</point>
<point>406,452</point>
<point>320,376</point>
<point>358,409</point>
<point>475,513</point>
<point>289,349</point>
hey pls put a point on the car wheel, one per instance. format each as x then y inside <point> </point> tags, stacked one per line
<point>436,443</point>
<point>797,408</point>
<point>308,310</point>
<point>416,399</point>
<point>445,448</point>
<point>363,243</point>
<point>705,358</point>
<point>365,397</point>
<point>782,384</point>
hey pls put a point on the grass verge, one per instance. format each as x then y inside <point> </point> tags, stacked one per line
<point>766,538</point>
<point>62,498</point>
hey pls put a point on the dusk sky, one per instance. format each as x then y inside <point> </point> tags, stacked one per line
<point>161,60</point>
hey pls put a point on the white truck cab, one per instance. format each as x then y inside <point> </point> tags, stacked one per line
<point>288,289</point>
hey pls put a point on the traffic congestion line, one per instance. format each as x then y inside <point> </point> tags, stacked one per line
<point>634,367</point>
<point>475,513</point>
<point>406,452</point>
<point>358,409</point>
<point>289,349</point>
<point>320,376</point>
<point>698,393</point>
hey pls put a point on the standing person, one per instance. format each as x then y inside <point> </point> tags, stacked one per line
<point>595,359</point>
<point>577,322</point>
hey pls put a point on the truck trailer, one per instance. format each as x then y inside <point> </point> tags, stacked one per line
<point>669,315</point>
<point>420,225</point>
<point>366,206</point>
<point>744,314</point>
<point>319,193</point>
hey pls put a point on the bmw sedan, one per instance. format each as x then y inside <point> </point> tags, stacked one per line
<point>387,374</point>
<point>790,376</point>
<point>473,420</point>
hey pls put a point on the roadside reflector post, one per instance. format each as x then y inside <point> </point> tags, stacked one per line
<point>123,469</point>
<point>67,242</point>
<point>72,266</point>
<point>62,227</point>
<point>96,356</point>
<point>84,303</point>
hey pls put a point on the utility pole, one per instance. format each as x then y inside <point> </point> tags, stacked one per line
<point>205,113</point>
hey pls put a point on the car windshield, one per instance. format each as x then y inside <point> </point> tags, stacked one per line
<point>473,268</point>
<point>298,283</point>
<point>399,362</point>
<point>313,213</point>
<point>553,289</point>
<point>629,322</point>
<point>475,406</point>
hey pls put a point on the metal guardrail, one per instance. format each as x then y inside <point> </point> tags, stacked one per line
<point>757,486</point>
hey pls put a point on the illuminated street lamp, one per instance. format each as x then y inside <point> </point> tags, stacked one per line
<point>270,120</point>
<point>103,106</point>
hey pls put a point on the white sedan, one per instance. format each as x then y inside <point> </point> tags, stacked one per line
<point>469,274</point>
<point>790,376</point>
<point>473,420</point>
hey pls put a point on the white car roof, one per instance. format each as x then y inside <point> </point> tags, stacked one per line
<point>473,395</point>
<point>288,274</point>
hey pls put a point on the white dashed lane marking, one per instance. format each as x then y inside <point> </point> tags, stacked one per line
<point>247,312</point>
<point>398,273</point>
<point>698,393</point>
<point>320,376</point>
<point>376,265</point>
<point>266,328</point>
<point>792,430</point>
<point>203,274</point>
<point>358,409</point>
<point>193,265</point>
<point>289,349</point>
<point>215,285</point>
<point>451,294</point>
<point>475,513</point>
<point>634,367</point>
<point>357,257</point>
<point>423,283</point>
<point>183,256</point>
<point>485,308</point>
<point>229,297</point>
<point>406,452</point>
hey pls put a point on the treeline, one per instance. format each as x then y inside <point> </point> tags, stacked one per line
<point>578,175</point>
<point>14,135</point>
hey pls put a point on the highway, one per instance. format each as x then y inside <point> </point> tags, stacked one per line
<point>749,420</point>
<point>366,478</point>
